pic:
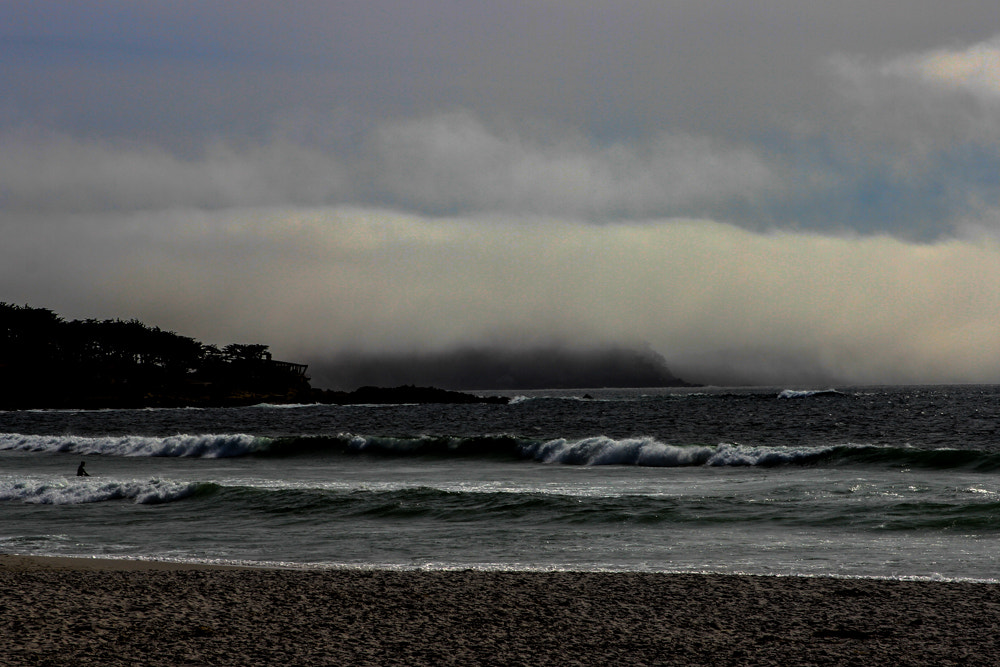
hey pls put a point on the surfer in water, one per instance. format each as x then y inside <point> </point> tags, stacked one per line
<point>80,472</point>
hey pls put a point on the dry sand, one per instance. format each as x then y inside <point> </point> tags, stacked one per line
<point>56,611</point>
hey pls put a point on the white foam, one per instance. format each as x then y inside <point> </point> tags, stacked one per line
<point>206,445</point>
<point>805,393</point>
<point>77,491</point>
<point>602,450</point>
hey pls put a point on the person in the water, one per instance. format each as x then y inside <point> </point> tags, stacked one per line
<point>80,472</point>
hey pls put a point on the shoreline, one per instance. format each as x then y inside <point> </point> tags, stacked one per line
<point>84,611</point>
<point>26,563</point>
<point>34,562</point>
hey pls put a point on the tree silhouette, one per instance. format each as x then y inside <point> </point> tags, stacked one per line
<point>46,360</point>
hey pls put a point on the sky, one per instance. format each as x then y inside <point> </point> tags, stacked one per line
<point>767,192</point>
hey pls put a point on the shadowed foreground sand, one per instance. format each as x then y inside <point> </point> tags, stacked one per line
<point>57,611</point>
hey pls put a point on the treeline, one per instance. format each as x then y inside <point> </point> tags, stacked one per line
<point>46,361</point>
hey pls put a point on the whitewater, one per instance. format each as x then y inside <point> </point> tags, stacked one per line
<point>897,482</point>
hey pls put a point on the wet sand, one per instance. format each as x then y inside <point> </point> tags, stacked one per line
<point>57,611</point>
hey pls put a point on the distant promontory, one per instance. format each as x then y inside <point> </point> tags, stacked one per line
<point>496,367</point>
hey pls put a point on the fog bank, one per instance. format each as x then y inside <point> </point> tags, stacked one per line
<point>721,304</point>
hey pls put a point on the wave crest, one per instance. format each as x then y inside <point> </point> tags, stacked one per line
<point>808,393</point>
<point>650,452</point>
<point>596,450</point>
<point>206,445</point>
<point>88,490</point>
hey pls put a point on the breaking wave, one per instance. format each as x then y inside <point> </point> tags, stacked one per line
<point>74,491</point>
<point>204,446</point>
<point>808,393</point>
<point>650,452</point>
<point>593,451</point>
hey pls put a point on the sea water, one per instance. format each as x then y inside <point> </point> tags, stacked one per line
<point>897,482</point>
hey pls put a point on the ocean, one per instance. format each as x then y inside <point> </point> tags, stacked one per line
<point>895,482</point>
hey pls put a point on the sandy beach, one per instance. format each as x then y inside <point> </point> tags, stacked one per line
<point>58,611</point>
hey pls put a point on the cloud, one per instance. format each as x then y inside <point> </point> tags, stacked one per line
<point>744,129</point>
<point>42,172</point>
<point>913,148</point>
<point>452,162</point>
<point>926,102</point>
<point>444,164</point>
<point>975,69</point>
